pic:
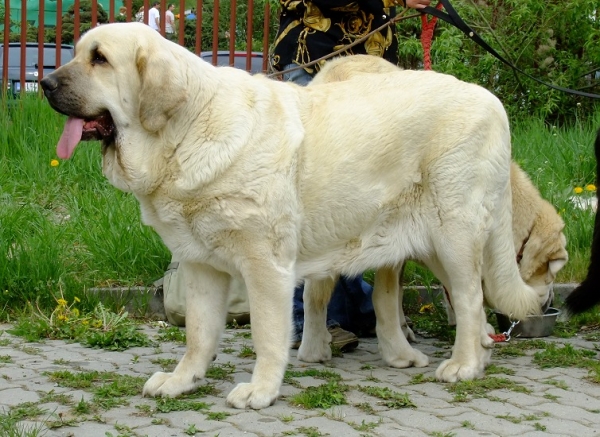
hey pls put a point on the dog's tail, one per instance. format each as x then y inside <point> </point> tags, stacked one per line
<point>504,289</point>
<point>587,294</point>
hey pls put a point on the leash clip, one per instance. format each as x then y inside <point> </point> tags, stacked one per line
<point>512,326</point>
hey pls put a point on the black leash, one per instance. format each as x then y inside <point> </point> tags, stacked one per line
<point>454,19</point>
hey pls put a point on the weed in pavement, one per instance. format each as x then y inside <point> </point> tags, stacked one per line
<point>166,405</point>
<point>220,371</point>
<point>101,328</point>
<point>166,364</point>
<point>110,389</point>
<point>10,426</point>
<point>492,369</point>
<point>247,352</point>
<point>322,396</point>
<point>217,415</point>
<point>478,388</point>
<point>171,333</point>
<point>389,398</point>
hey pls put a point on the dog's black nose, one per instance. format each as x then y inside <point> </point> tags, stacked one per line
<point>49,83</point>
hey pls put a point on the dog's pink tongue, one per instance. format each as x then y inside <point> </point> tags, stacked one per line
<point>70,137</point>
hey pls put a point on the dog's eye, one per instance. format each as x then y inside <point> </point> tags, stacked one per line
<point>98,58</point>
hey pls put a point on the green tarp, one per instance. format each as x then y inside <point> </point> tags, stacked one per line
<point>33,7</point>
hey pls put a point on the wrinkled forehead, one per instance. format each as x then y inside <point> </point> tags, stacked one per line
<point>108,37</point>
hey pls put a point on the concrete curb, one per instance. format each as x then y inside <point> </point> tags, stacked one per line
<point>148,301</point>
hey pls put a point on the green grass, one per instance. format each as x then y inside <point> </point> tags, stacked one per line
<point>465,390</point>
<point>388,397</point>
<point>65,229</point>
<point>322,396</point>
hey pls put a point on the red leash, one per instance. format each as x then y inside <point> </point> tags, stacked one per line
<point>428,26</point>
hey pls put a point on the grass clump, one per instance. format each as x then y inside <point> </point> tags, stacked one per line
<point>167,405</point>
<point>110,389</point>
<point>479,388</point>
<point>322,396</point>
<point>566,356</point>
<point>11,426</point>
<point>100,328</point>
<point>389,398</point>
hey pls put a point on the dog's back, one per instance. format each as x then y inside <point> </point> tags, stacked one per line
<point>587,294</point>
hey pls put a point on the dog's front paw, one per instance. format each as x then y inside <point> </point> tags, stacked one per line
<point>414,358</point>
<point>453,370</point>
<point>169,385</point>
<point>252,395</point>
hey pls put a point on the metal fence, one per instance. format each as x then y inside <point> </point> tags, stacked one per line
<point>22,17</point>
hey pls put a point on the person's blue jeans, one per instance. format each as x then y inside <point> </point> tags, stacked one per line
<point>350,307</point>
<point>299,76</point>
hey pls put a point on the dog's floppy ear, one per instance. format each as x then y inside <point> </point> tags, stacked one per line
<point>163,90</point>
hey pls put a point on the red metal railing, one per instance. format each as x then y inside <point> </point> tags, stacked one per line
<point>198,46</point>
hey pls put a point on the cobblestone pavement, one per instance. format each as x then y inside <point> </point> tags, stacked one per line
<point>528,401</point>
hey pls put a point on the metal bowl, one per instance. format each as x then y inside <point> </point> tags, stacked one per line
<point>532,326</point>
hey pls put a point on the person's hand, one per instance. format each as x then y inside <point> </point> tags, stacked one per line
<point>417,4</point>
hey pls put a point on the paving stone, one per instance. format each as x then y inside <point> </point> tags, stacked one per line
<point>561,401</point>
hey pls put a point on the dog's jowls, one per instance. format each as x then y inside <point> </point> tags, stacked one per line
<point>270,182</point>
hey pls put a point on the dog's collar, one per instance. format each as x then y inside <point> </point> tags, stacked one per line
<point>520,253</point>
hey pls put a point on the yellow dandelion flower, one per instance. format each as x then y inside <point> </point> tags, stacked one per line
<point>76,299</point>
<point>54,163</point>
<point>427,308</point>
<point>578,190</point>
<point>61,302</point>
<point>590,187</point>
<point>62,317</point>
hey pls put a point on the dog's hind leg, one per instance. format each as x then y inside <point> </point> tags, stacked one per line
<point>393,345</point>
<point>206,309</point>
<point>486,341</point>
<point>270,288</point>
<point>408,333</point>
<point>458,258</point>
<point>315,337</point>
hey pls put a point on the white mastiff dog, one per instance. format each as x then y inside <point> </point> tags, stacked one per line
<point>244,176</point>
<point>537,236</point>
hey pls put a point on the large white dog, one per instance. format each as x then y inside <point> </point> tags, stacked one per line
<point>270,182</point>
<point>537,236</point>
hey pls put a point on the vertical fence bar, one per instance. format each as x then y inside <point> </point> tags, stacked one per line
<point>111,12</point>
<point>129,6</point>
<point>58,32</point>
<point>94,13</point>
<point>146,10</point>
<point>266,26</point>
<point>23,40</point>
<point>40,38</point>
<point>215,31</point>
<point>76,21</point>
<point>249,33</point>
<point>181,23</point>
<point>199,17</point>
<point>232,31</point>
<point>5,41</point>
<point>161,16</point>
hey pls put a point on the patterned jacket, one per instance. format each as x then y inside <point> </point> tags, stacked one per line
<point>309,30</point>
